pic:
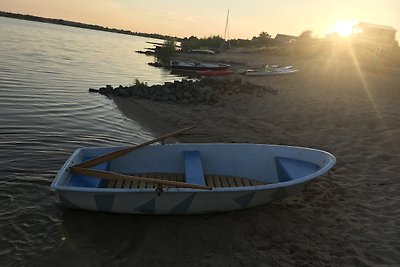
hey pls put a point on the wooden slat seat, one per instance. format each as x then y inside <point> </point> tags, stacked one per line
<point>210,179</point>
<point>230,181</point>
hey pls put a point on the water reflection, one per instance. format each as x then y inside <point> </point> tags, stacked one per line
<point>47,113</point>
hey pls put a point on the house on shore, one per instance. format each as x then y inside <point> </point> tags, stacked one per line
<point>285,39</point>
<point>380,37</point>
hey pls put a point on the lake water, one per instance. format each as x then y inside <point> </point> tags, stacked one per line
<point>46,112</point>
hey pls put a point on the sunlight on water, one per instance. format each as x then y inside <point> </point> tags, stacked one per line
<point>47,112</point>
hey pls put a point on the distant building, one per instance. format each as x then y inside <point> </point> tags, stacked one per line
<point>380,36</point>
<point>283,38</point>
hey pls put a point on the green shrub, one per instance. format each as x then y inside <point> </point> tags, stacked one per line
<point>167,50</point>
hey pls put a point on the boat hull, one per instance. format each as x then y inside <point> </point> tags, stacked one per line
<point>268,70</point>
<point>173,203</point>
<point>270,73</point>
<point>245,160</point>
<point>214,72</point>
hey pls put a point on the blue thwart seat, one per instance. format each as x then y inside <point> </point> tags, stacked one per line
<point>193,169</point>
<point>290,169</point>
<point>87,181</point>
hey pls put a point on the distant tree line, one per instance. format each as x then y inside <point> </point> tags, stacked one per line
<point>217,42</point>
<point>80,25</point>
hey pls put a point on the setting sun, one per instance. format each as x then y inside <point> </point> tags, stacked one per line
<point>344,28</point>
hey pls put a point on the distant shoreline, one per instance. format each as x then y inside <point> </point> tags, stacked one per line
<point>81,25</point>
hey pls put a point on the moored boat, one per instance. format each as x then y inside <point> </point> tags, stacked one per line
<point>202,51</point>
<point>271,70</point>
<point>186,178</point>
<point>195,66</point>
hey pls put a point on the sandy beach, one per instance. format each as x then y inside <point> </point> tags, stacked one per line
<point>347,218</point>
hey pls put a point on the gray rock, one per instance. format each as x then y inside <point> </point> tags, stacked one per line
<point>172,98</point>
<point>122,91</point>
<point>187,94</point>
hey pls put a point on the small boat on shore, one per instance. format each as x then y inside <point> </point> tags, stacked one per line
<point>202,51</point>
<point>186,178</point>
<point>214,72</point>
<point>195,66</point>
<point>271,70</point>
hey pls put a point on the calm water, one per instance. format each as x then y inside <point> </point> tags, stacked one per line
<point>46,113</point>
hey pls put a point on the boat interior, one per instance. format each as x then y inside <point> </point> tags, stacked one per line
<point>287,170</point>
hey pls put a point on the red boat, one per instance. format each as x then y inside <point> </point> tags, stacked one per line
<point>214,72</point>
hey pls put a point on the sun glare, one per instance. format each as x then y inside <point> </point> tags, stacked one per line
<point>344,28</point>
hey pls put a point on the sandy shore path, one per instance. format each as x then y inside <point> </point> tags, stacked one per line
<point>349,217</point>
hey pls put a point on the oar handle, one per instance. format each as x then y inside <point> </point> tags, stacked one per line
<point>124,151</point>
<point>117,176</point>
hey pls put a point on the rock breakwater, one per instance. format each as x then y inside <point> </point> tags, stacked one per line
<point>204,91</point>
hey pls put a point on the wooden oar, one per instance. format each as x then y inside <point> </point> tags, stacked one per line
<point>121,152</point>
<point>113,176</point>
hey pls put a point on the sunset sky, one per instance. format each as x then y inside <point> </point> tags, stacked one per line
<point>207,17</point>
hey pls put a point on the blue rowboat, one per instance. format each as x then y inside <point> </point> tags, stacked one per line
<point>188,178</point>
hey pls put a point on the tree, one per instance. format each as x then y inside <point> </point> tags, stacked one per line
<point>264,36</point>
<point>262,39</point>
<point>167,50</point>
<point>193,42</point>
